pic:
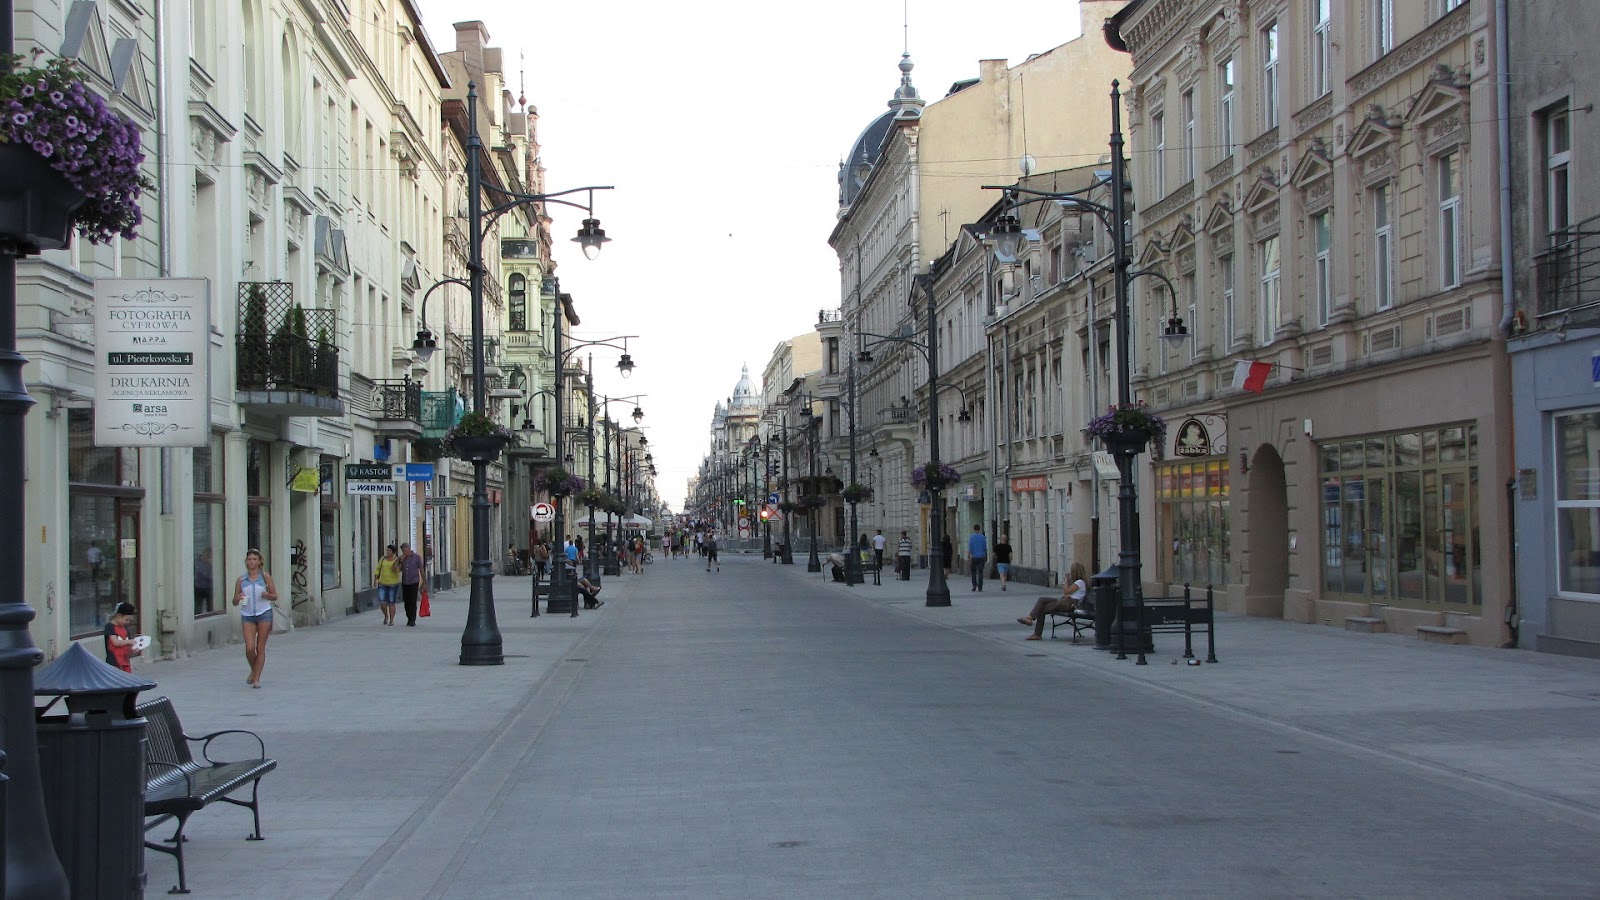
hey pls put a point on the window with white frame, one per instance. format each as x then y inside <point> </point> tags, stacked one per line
<point>1383,246</point>
<point>1322,230</point>
<point>1321,36</point>
<point>1557,168</point>
<point>1190,299</point>
<point>1448,5</point>
<point>1229,325</point>
<point>1188,135</point>
<point>1448,170</point>
<point>1158,140</point>
<point>1225,107</point>
<point>1382,27</point>
<point>1577,463</point>
<point>1271,262</point>
<point>1269,77</point>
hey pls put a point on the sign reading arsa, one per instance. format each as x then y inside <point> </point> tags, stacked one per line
<point>152,381</point>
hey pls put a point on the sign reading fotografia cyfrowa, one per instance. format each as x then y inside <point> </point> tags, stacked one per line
<point>152,340</point>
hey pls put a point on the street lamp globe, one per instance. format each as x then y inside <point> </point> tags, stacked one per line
<point>591,237</point>
<point>1007,236</point>
<point>638,415</point>
<point>625,365</point>
<point>424,345</point>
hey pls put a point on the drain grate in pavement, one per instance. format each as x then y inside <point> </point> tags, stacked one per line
<point>1038,654</point>
<point>787,845</point>
<point>514,655</point>
<point>577,659</point>
<point>1288,752</point>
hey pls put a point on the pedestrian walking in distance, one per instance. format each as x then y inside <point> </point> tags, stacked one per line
<point>903,557</point>
<point>410,581</point>
<point>879,542</point>
<point>1002,559</point>
<point>977,555</point>
<point>709,547</point>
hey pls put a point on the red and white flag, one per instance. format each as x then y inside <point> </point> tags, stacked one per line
<point>1251,375</point>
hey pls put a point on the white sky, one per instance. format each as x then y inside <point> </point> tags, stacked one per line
<point>721,123</point>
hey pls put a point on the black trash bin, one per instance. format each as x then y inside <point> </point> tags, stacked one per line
<point>1106,598</point>
<point>91,765</point>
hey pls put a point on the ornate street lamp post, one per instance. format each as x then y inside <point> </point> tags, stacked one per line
<point>480,640</point>
<point>814,564</point>
<point>938,588</point>
<point>1128,630</point>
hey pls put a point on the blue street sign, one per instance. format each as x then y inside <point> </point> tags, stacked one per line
<point>415,471</point>
<point>772,498</point>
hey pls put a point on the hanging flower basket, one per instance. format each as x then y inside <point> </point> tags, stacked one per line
<point>787,507</point>
<point>929,477</point>
<point>592,496</point>
<point>476,437</point>
<point>857,493</point>
<point>559,483</point>
<point>68,160</point>
<point>811,502</point>
<point>1127,428</point>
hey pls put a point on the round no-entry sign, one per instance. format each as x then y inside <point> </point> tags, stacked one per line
<point>544,512</point>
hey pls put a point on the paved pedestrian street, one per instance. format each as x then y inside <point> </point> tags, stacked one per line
<point>764,732</point>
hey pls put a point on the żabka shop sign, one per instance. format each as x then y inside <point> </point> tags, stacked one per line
<point>152,374</point>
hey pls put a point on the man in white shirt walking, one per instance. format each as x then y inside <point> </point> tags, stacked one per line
<point>878,543</point>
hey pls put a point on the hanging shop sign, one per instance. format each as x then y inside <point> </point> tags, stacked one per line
<point>152,374</point>
<point>306,480</point>
<point>1205,435</point>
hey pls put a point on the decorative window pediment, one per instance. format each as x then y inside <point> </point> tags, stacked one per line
<point>1439,115</point>
<point>1311,176</point>
<point>1183,245</point>
<point>1153,254</point>
<point>84,39</point>
<point>128,77</point>
<point>1261,204</point>
<point>1221,217</point>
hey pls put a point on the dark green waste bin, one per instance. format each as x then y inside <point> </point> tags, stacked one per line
<point>91,765</point>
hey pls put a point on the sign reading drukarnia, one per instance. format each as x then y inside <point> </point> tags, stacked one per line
<point>152,351</point>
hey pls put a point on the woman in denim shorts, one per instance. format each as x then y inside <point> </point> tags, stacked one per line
<point>253,594</point>
<point>387,577</point>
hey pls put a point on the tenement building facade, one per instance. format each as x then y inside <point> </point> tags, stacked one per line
<point>1318,181</point>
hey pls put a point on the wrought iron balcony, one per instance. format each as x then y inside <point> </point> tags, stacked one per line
<point>399,409</point>
<point>440,410</point>
<point>1568,274</point>
<point>286,361</point>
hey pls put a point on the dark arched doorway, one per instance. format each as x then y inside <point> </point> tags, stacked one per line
<point>1267,535</point>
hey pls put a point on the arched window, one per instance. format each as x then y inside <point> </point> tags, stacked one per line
<point>251,60</point>
<point>293,111</point>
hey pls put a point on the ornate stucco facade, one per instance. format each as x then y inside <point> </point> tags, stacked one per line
<point>1322,193</point>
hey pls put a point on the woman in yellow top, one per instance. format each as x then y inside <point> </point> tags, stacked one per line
<point>387,578</point>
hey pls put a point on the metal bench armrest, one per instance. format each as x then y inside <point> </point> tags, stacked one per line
<point>205,742</point>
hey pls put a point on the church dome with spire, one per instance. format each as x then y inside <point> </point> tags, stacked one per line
<point>744,393</point>
<point>905,106</point>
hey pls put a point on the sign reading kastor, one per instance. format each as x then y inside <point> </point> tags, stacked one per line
<point>152,374</point>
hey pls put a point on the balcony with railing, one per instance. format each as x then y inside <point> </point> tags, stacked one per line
<point>287,363</point>
<point>1568,274</point>
<point>399,409</point>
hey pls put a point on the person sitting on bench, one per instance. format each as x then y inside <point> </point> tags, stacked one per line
<point>590,592</point>
<point>1073,592</point>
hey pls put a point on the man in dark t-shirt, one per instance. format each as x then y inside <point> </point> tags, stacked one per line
<point>1002,559</point>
